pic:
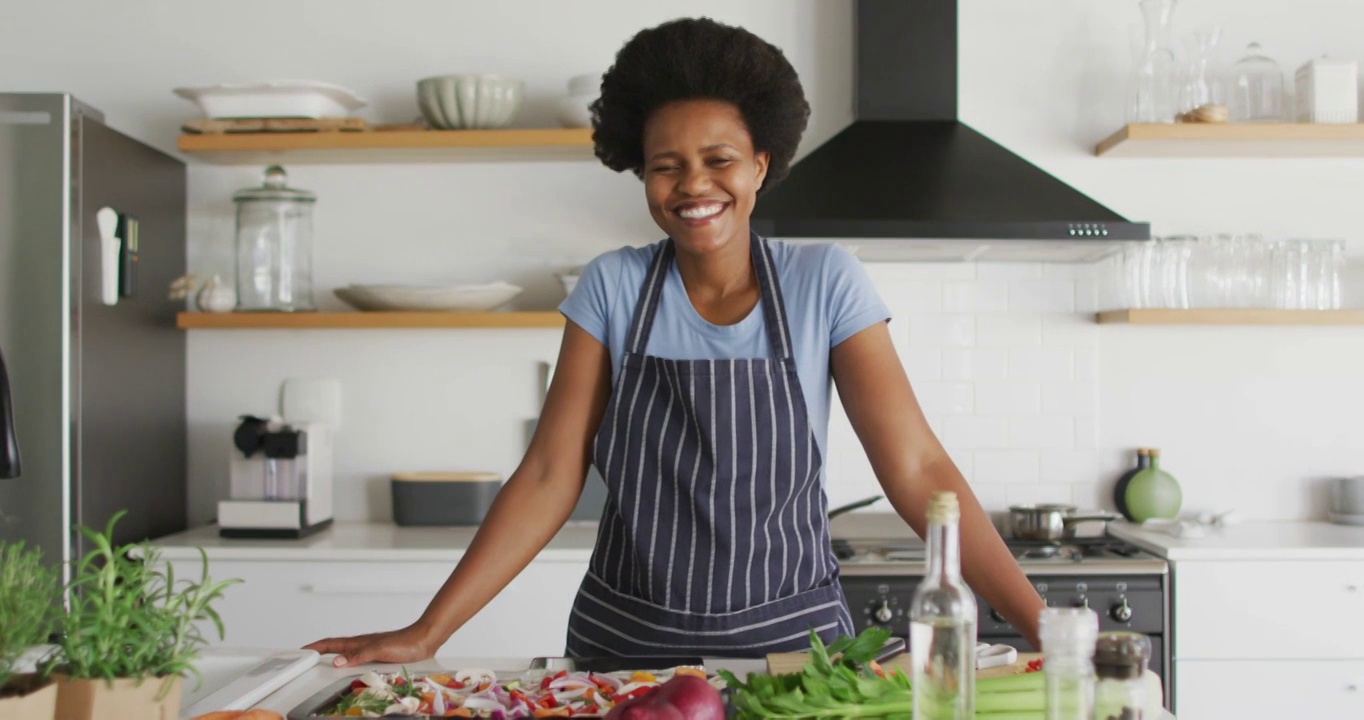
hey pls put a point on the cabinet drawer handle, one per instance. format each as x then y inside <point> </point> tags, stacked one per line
<point>1351,688</point>
<point>1351,588</point>
<point>325,589</point>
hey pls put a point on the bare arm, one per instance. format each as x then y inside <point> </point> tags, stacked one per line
<point>910,463</point>
<point>549,480</point>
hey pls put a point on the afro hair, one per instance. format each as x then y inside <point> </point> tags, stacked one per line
<point>693,59</point>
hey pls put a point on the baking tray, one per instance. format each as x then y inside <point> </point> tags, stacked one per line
<point>327,697</point>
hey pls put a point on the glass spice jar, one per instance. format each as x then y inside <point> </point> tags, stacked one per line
<point>1120,660</point>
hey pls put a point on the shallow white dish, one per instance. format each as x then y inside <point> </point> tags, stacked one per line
<point>1345,519</point>
<point>238,678</point>
<point>432,298</point>
<point>275,98</point>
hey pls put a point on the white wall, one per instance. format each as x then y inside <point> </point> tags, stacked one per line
<point>1033,400</point>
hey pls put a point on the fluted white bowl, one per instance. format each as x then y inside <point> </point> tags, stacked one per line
<point>470,101</point>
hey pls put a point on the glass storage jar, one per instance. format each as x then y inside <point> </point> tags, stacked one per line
<point>274,246</point>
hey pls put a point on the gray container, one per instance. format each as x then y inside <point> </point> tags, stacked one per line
<point>440,499</point>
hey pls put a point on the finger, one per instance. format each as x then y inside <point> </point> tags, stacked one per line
<point>356,656</point>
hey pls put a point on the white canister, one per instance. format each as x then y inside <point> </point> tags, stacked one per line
<point>1328,91</point>
<point>574,109</point>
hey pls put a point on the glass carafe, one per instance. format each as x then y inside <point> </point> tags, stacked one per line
<point>274,246</point>
<point>942,627</point>
<point>1201,93</point>
<point>1155,77</point>
<point>1257,88</point>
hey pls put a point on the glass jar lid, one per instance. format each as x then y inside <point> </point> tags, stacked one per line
<point>1121,655</point>
<point>274,186</point>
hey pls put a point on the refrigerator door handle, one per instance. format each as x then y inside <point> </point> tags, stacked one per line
<point>10,466</point>
<point>109,245</point>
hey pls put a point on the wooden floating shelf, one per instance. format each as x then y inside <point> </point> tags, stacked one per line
<point>1244,140</point>
<point>389,146</point>
<point>366,320</point>
<point>1232,316</point>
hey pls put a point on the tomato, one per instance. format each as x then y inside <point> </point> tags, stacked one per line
<point>556,712</point>
<point>357,685</point>
<point>459,712</point>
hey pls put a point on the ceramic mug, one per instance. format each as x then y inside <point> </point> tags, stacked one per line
<point>1347,496</point>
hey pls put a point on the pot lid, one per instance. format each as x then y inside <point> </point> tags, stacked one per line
<point>274,186</point>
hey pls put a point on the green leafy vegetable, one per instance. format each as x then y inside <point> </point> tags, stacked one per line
<point>848,687</point>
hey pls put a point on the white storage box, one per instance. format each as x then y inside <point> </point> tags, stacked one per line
<point>1327,91</point>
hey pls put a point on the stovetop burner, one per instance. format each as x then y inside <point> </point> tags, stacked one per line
<point>1078,555</point>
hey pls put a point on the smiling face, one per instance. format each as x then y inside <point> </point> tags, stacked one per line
<point>701,174</point>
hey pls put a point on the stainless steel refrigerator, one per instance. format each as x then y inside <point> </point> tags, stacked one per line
<point>94,418</point>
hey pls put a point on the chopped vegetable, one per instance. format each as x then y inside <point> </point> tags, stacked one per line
<point>480,693</point>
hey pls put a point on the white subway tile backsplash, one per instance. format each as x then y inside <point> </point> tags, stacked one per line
<point>1038,494</point>
<point>1042,296</point>
<point>923,364</point>
<point>994,498</point>
<point>979,297</point>
<point>1042,432</point>
<point>1009,271</point>
<point>1046,364</point>
<point>1007,466</point>
<point>890,273</point>
<point>1069,398</point>
<point>1004,359</point>
<point>1070,466</point>
<point>946,398</point>
<point>913,296</point>
<point>970,432</point>
<point>1086,432</point>
<point>1068,329</point>
<point>975,364</point>
<point>941,330</point>
<point>1008,398</point>
<point>1092,496</point>
<point>1008,330</point>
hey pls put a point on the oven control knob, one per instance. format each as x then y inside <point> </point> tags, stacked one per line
<point>1082,602</point>
<point>994,615</point>
<point>1121,612</point>
<point>883,614</point>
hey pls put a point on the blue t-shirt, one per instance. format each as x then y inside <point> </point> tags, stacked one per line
<point>829,298</point>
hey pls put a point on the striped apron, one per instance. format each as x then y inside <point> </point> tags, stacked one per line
<point>714,540</point>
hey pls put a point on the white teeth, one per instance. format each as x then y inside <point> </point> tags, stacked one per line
<point>701,211</point>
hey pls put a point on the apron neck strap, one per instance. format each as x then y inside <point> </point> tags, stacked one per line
<point>773,304</point>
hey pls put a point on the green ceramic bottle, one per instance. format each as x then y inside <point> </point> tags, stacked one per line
<point>1153,493</point>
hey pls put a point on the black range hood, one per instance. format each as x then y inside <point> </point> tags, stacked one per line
<point>909,181</point>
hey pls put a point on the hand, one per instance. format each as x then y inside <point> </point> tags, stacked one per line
<point>396,646</point>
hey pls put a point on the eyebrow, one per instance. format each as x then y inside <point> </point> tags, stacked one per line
<point>708,148</point>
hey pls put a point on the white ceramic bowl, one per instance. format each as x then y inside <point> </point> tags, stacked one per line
<point>429,298</point>
<point>470,102</point>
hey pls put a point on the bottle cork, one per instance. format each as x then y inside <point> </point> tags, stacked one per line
<point>943,508</point>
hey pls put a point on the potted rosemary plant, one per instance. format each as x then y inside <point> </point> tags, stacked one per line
<point>29,592</point>
<point>130,634</point>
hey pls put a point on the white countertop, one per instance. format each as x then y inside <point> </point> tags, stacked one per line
<point>359,541</point>
<point>374,541</point>
<point>1252,540</point>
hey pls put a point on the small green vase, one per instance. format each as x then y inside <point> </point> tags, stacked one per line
<point>1153,493</point>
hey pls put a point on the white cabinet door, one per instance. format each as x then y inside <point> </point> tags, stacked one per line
<point>1269,690</point>
<point>288,604</point>
<point>1268,609</point>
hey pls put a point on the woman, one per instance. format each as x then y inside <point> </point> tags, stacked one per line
<point>695,374</point>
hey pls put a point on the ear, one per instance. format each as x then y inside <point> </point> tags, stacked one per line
<point>760,160</point>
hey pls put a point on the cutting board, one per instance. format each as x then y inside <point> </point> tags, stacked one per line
<point>784,663</point>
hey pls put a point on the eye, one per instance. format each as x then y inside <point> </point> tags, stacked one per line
<point>720,161</point>
<point>662,168</point>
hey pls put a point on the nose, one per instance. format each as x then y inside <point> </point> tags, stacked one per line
<point>694,181</point>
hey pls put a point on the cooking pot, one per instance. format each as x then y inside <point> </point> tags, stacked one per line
<point>1048,523</point>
